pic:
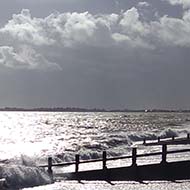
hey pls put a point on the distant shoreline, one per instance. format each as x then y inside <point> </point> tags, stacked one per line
<point>90,110</point>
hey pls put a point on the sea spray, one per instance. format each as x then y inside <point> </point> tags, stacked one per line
<point>168,133</point>
<point>20,176</point>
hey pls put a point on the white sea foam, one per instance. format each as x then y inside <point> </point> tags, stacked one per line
<point>19,176</point>
<point>166,133</point>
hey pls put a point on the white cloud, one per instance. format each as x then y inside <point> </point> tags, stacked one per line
<point>25,29</point>
<point>68,30</point>
<point>78,28</point>
<point>166,31</point>
<point>173,31</point>
<point>133,43</point>
<point>184,3</point>
<point>143,4</point>
<point>131,23</point>
<point>25,58</point>
<point>67,27</point>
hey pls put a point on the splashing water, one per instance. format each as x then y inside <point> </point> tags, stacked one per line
<point>28,138</point>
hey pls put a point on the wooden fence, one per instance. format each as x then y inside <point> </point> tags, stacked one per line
<point>104,158</point>
<point>171,140</point>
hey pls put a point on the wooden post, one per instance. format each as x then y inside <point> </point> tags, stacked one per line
<point>158,139</point>
<point>134,156</point>
<point>188,135</point>
<point>164,153</point>
<point>50,166</point>
<point>173,138</point>
<point>144,141</point>
<point>104,155</point>
<point>77,161</point>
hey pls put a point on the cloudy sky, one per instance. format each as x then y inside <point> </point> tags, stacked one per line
<point>104,53</point>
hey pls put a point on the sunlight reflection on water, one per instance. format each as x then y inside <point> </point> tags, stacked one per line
<point>33,136</point>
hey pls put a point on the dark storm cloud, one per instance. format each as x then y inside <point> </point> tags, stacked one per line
<point>119,54</point>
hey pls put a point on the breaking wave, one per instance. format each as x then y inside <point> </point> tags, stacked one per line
<point>19,176</point>
<point>115,144</point>
<point>167,133</point>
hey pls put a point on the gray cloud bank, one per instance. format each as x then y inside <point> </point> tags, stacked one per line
<point>112,60</point>
<point>24,35</point>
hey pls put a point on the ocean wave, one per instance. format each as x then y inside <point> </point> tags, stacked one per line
<point>169,133</point>
<point>115,144</point>
<point>166,133</point>
<point>22,172</point>
<point>20,176</point>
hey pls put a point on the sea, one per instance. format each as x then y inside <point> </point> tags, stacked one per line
<point>27,139</point>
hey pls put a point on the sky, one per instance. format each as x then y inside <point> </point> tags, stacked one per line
<point>113,54</point>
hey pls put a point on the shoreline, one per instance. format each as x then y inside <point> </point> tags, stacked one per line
<point>90,110</point>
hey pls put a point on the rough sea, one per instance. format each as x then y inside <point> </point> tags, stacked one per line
<point>27,139</point>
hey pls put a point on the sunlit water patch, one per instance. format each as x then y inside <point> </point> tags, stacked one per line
<point>28,138</point>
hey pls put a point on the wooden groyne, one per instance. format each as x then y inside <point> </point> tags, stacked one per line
<point>169,141</point>
<point>158,171</point>
<point>170,171</point>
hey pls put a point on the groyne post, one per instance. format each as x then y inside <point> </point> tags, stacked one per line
<point>173,138</point>
<point>164,153</point>
<point>77,161</point>
<point>158,139</point>
<point>50,171</point>
<point>134,156</point>
<point>188,136</point>
<point>104,158</point>
<point>144,141</point>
